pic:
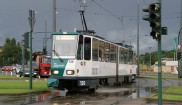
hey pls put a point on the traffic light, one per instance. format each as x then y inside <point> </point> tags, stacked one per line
<point>154,18</point>
<point>155,21</point>
<point>26,39</point>
<point>179,55</point>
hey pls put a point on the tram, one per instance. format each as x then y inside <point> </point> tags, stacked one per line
<point>82,60</point>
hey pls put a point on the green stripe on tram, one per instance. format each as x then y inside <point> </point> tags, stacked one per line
<point>59,64</point>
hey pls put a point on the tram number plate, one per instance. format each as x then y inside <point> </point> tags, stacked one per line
<point>82,83</point>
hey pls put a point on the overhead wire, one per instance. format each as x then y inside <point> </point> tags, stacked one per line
<point>97,13</point>
<point>116,16</point>
<point>122,17</point>
<point>107,10</point>
<point>144,2</point>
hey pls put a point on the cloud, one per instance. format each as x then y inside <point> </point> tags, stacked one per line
<point>144,41</point>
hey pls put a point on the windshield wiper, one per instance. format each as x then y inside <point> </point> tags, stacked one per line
<point>57,54</point>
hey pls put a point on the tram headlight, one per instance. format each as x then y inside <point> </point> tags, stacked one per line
<point>55,72</point>
<point>70,72</point>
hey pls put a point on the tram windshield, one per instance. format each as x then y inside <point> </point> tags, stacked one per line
<point>64,46</point>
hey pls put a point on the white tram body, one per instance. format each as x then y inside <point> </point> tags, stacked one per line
<point>87,61</point>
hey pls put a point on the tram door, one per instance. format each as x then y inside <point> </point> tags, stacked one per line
<point>87,55</point>
<point>80,56</point>
<point>84,55</point>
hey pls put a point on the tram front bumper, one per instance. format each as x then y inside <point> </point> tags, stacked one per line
<point>53,82</point>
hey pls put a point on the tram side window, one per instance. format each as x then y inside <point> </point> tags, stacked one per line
<point>87,48</point>
<point>126,56</point>
<point>95,45</point>
<point>121,55</point>
<point>113,53</point>
<point>130,56</point>
<point>101,51</point>
<point>107,52</point>
<point>80,48</point>
<point>134,58</point>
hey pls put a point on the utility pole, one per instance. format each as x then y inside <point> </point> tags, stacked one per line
<point>44,51</point>
<point>31,19</point>
<point>46,33</point>
<point>54,16</point>
<point>138,57</point>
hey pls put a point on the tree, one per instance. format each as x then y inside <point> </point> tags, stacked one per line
<point>11,52</point>
<point>145,58</point>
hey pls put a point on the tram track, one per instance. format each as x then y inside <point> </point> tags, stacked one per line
<point>125,98</point>
<point>121,101</point>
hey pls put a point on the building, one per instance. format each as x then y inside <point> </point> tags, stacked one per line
<point>167,66</point>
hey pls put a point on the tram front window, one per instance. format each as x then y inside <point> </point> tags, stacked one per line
<point>64,46</point>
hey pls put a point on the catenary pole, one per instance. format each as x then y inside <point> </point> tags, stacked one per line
<point>54,16</point>
<point>138,57</point>
<point>31,19</point>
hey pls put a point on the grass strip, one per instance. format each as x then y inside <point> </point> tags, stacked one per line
<point>155,77</point>
<point>173,90</point>
<point>22,86</point>
<point>171,93</point>
<point>167,97</point>
<point>8,77</point>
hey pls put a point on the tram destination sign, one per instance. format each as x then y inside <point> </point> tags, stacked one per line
<point>65,37</point>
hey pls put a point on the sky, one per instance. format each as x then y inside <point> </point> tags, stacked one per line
<point>115,20</point>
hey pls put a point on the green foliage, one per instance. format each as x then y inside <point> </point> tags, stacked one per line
<point>11,52</point>
<point>145,58</point>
